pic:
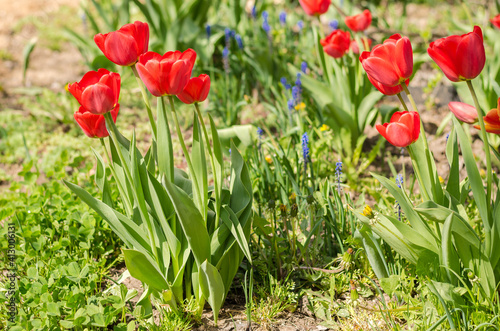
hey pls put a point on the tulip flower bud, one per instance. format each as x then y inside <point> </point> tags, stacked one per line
<point>464,112</point>
<point>460,57</point>
<point>196,89</point>
<point>492,120</point>
<point>315,7</point>
<point>496,21</point>
<point>93,125</point>
<point>359,22</point>
<point>390,63</point>
<point>403,129</point>
<point>125,45</point>
<point>337,43</point>
<point>97,91</point>
<point>167,74</point>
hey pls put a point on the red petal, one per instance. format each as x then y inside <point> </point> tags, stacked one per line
<point>141,36</point>
<point>470,55</point>
<point>98,98</point>
<point>150,79</point>
<point>120,48</point>
<point>403,57</point>
<point>444,52</point>
<point>381,70</point>
<point>398,135</point>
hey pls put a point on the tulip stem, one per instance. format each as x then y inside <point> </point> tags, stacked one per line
<point>426,144</point>
<point>402,101</point>
<point>366,44</point>
<point>146,101</point>
<point>196,188</point>
<point>417,172</point>
<point>143,213</point>
<point>212,163</point>
<point>414,106</point>
<point>125,199</point>
<point>486,146</point>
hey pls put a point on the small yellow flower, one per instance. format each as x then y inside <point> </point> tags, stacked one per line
<point>441,180</point>
<point>66,87</point>
<point>247,98</point>
<point>300,106</point>
<point>269,159</point>
<point>482,173</point>
<point>324,127</point>
<point>368,212</point>
<point>293,197</point>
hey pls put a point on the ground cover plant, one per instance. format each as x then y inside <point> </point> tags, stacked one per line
<point>257,165</point>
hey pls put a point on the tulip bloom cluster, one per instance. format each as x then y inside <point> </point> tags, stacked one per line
<point>339,42</point>
<point>462,58</point>
<point>98,92</point>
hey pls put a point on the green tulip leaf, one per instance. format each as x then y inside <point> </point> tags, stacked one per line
<point>475,180</point>
<point>141,268</point>
<point>191,221</point>
<point>212,287</point>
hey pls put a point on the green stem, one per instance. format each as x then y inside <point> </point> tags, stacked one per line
<point>276,243</point>
<point>417,172</point>
<point>125,199</point>
<point>402,101</point>
<point>320,52</point>
<point>192,173</point>
<point>414,106</point>
<point>366,44</point>
<point>113,136</point>
<point>212,163</point>
<point>486,147</point>
<point>146,101</point>
<point>112,133</point>
<point>426,144</point>
<point>205,132</point>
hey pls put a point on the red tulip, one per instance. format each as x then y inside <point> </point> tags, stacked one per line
<point>167,74</point>
<point>387,90</point>
<point>403,129</point>
<point>464,112</point>
<point>460,57</point>
<point>196,89</point>
<point>337,43</point>
<point>98,91</point>
<point>359,22</point>
<point>124,46</point>
<point>93,125</point>
<point>496,21</point>
<point>390,63</point>
<point>492,120</point>
<point>355,47</point>
<point>315,7</point>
